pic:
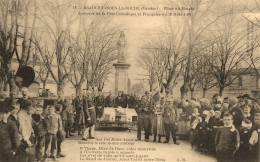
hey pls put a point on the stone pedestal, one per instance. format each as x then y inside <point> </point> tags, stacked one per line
<point>121,77</point>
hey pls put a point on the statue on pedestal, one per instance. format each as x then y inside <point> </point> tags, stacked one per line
<point>121,45</point>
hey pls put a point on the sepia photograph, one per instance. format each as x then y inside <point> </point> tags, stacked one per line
<point>129,80</point>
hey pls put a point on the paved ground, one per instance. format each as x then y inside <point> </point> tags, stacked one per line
<point>94,148</point>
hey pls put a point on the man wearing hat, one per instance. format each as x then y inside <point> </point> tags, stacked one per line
<point>170,118</point>
<point>143,110</point>
<point>236,111</point>
<point>78,102</point>
<point>99,105</point>
<point>90,116</point>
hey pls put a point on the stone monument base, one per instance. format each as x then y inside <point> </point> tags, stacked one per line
<point>121,77</point>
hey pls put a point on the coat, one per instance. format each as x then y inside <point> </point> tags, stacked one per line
<point>9,136</point>
<point>169,115</point>
<point>140,110</point>
<point>39,126</point>
<point>78,103</point>
<point>53,123</point>
<point>238,116</point>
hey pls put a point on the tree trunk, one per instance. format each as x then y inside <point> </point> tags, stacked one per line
<point>60,88</point>
<point>221,89</point>
<point>43,84</point>
<point>78,89</point>
<point>191,93</point>
<point>204,92</point>
<point>27,34</point>
<point>184,92</point>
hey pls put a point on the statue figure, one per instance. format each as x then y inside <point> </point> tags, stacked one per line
<point>121,45</point>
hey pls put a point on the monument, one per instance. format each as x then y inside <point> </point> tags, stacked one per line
<point>121,75</point>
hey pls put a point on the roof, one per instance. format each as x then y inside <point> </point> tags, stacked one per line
<point>244,71</point>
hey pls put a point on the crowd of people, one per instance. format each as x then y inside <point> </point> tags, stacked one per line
<point>226,127</point>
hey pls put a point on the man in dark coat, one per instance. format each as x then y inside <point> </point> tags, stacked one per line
<point>132,102</point>
<point>118,101</point>
<point>109,102</point>
<point>79,112</point>
<point>90,115</point>
<point>236,111</point>
<point>9,136</point>
<point>143,110</point>
<point>99,104</point>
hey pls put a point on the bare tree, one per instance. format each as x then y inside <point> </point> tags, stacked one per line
<point>56,18</point>
<point>251,12</point>
<point>17,25</point>
<point>163,56</point>
<point>230,48</point>
<point>194,25</point>
<point>101,45</point>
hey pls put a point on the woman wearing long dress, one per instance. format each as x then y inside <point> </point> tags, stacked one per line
<point>182,124</point>
<point>158,128</point>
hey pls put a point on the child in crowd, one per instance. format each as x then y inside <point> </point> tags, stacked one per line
<point>15,109</point>
<point>39,128</point>
<point>201,137</point>
<point>245,134</point>
<point>64,117</point>
<point>254,139</point>
<point>70,119</point>
<point>60,134</point>
<point>53,124</point>
<point>247,113</point>
<point>194,120</point>
<point>182,124</point>
<point>227,140</point>
<point>213,127</point>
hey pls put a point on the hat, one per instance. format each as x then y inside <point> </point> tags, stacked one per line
<point>233,100</point>
<point>204,101</point>
<point>247,124</point>
<point>220,99</point>
<point>89,123</point>
<point>205,112</point>
<point>217,106</point>
<point>225,105</point>
<point>217,112</point>
<point>25,104</point>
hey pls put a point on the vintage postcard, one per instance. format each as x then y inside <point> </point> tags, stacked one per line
<point>129,80</point>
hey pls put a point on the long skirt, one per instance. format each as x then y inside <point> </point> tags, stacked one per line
<point>182,128</point>
<point>160,126</point>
